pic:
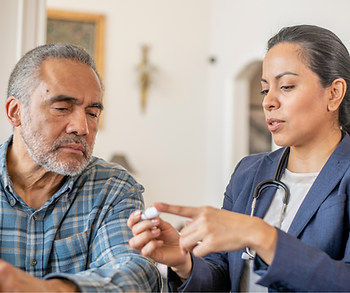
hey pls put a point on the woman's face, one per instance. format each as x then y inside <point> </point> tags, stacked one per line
<point>295,103</point>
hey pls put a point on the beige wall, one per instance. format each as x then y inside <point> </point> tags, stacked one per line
<point>194,131</point>
<point>167,144</point>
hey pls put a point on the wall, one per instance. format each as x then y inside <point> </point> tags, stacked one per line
<point>22,27</point>
<point>194,131</point>
<point>167,144</point>
<point>8,58</point>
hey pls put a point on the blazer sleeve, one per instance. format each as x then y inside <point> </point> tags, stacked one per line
<point>300,267</point>
<point>208,275</point>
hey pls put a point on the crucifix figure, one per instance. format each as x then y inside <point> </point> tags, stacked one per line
<point>144,69</point>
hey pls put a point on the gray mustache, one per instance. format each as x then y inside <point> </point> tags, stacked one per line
<point>72,139</point>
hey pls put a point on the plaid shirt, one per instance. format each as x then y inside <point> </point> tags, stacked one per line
<point>80,233</point>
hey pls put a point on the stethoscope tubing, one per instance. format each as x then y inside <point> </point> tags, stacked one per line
<point>275,182</point>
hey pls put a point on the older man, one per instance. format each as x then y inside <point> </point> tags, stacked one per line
<point>63,212</point>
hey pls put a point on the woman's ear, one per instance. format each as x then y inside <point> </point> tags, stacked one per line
<point>14,111</point>
<point>337,93</point>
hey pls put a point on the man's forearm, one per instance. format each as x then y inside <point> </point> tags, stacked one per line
<point>62,285</point>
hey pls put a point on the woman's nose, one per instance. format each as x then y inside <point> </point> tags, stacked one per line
<point>270,101</point>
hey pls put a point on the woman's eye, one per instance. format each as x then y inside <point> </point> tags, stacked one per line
<point>264,92</point>
<point>287,87</point>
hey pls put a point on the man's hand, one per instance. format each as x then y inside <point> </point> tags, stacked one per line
<point>159,240</point>
<point>13,279</point>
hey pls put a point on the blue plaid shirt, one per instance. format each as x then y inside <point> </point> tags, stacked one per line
<point>80,233</point>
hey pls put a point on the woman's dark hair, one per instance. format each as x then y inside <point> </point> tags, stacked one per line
<point>325,54</point>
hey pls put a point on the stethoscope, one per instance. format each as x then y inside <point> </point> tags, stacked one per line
<point>275,182</point>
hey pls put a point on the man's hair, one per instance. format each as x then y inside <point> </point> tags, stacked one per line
<point>25,77</point>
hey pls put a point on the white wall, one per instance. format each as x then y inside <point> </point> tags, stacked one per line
<point>185,147</point>
<point>8,32</point>
<point>22,27</point>
<point>167,144</point>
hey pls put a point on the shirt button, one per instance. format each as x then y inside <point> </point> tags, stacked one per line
<point>33,262</point>
<point>12,202</point>
<point>35,217</point>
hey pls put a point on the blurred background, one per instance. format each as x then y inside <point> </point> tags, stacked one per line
<point>182,79</point>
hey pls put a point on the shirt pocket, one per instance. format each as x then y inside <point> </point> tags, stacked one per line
<point>71,253</point>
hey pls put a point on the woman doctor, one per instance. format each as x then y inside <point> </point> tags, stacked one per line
<point>306,102</point>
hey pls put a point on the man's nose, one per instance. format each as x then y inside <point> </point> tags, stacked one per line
<point>78,123</point>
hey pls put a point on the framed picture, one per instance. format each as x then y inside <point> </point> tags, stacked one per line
<point>83,29</point>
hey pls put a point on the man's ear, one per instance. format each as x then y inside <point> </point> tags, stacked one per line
<point>14,111</point>
<point>337,93</point>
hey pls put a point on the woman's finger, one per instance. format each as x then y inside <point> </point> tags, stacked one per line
<point>202,249</point>
<point>188,212</point>
<point>191,239</point>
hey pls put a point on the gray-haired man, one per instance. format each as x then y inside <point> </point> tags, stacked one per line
<point>63,212</point>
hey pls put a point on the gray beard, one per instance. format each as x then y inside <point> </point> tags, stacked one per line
<point>47,156</point>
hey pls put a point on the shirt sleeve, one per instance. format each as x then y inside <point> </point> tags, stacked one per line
<point>114,265</point>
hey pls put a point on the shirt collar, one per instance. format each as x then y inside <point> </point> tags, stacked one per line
<point>7,183</point>
<point>5,178</point>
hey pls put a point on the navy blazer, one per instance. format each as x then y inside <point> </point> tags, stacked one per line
<point>315,253</point>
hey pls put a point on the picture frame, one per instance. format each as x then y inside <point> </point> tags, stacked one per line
<point>83,29</point>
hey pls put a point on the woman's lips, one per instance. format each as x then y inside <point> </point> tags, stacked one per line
<point>274,124</point>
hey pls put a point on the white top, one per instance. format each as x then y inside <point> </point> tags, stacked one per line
<point>299,185</point>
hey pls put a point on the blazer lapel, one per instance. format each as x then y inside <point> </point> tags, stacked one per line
<point>267,171</point>
<point>330,175</point>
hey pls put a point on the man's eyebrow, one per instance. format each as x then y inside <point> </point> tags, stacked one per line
<point>63,98</point>
<point>96,105</point>
<point>278,76</point>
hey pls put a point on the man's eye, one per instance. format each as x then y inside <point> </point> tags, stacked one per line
<point>94,115</point>
<point>61,109</point>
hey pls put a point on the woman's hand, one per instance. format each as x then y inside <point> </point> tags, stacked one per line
<point>216,230</point>
<point>159,240</point>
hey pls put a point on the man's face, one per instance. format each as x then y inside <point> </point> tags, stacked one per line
<point>60,126</point>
